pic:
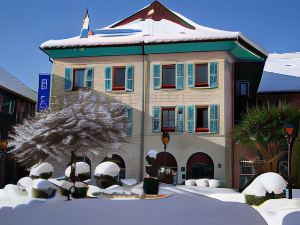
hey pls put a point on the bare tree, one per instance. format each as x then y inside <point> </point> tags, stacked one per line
<point>79,122</point>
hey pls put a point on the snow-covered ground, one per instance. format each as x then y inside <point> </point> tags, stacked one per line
<point>185,205</point>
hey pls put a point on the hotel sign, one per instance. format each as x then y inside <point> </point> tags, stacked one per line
<point>44,92</point>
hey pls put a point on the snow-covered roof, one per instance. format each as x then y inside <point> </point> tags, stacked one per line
<point>9,82</point>
<point>281,73</point>
<point>154,23</point>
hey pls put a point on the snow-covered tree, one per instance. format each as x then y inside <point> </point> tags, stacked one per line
<point>82,122</point>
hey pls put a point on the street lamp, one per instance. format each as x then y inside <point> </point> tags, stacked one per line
<point>290,135</point>
<point>165,138</point>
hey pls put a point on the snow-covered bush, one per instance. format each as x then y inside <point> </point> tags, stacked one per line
<point>264,187</point>
<point>43,170</point>
<point>64,186</point>
<point>42,188</point>
<point>152,154</point>
<point>128,181</point>
<point>106,174</point>
<point>93,189</point>
<point>190,182</point>
<point>202,182</point>
<point>80,190</point>
<point>108,169</point>
<point>25,184</point>
<point>82,171</point>
<point>215,183</point>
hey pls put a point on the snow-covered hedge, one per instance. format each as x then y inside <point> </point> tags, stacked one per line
<point>215,183</point>
<point>107,169</point>
<point>43,170</point>
<point>25,184</point>
<point>42,188</point>
<point>267,182</point>
<point>202,182</point>
<point>82,171</point>
<point>80,190</point>
<point>191,182</point>
<point>264,187</point>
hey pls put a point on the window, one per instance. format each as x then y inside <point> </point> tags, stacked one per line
<point>119,78</point>
<point>168,119</point>
<point>168,76</point>
<point>202,119</point>
<point>78,78</point>
<point>201,75</point>
<point>243,88</point>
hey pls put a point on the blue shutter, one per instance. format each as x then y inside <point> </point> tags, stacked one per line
<point>129,120</point>
<point>108,78</point>
<point>68,79</point>
<point>179,76</point>
<point>156,76</point>
<point>180,118</point>
<point>214,119</point>
<point>191,75</point>
<point>89,80</point>
<point>156,119</point>
<point>191,118</point>
<point>129,78</point>
<point>213,74</point>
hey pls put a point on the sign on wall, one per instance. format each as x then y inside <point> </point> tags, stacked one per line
<point>44,92</point>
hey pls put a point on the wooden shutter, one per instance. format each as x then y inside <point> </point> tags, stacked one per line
<point>129,120</point>
<point>191,75</point>
<point>108,78</point>
<point>89,79</point>
<point>156,119</point>
<point>213,74</point>
<point>214,119</point>
<point>68,79</point>
<point>129,78</point>
<point>179,76</point>
<point>180,118</point>
<point>156,77</point>
<point>191,118</point>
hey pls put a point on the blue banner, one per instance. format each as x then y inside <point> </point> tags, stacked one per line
<point>44,92</point>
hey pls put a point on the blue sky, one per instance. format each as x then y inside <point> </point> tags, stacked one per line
<point>273,24</point>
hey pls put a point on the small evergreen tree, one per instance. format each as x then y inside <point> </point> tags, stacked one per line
<point>263,126</point>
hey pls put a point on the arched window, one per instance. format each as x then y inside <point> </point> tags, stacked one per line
<point>199,165</point>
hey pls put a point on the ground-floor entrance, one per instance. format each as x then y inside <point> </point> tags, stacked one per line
<point>200,165</point>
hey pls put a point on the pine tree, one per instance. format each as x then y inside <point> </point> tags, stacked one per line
<point>84,122</point>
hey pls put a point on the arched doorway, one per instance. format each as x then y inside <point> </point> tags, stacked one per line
<point>119,161</point>
<point>166,168</point>
<point>199,165</point>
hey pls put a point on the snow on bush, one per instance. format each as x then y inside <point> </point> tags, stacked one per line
<point>25,184</point>
<point>43,170</point>
<point>108,169</point>
<point>80,168</point>
<point>215,183</point>
<point>42,188</point>
<point>128,181</point>
<point>267,182</point>
<point>202,182</point>
<point>93,189</point>
<point>152,154</point>
<point>190,182</point>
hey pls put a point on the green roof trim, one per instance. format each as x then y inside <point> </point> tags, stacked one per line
<point>236,49</point>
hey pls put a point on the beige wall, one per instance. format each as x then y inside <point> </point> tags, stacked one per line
<point>182,146</point>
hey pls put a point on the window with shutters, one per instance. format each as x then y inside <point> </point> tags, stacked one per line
<point>201,75</point>
<point>168,119</point>
<point>168,76</point>
<point>78,79</point>
<point>119,77</point>
<point>202,119</point>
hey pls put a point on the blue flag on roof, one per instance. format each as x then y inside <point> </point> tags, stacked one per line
<point>44,92</point>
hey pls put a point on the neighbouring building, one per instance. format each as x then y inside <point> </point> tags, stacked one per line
<point>177,76</point>
<point>16,103</point>
<point>280,83</point>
